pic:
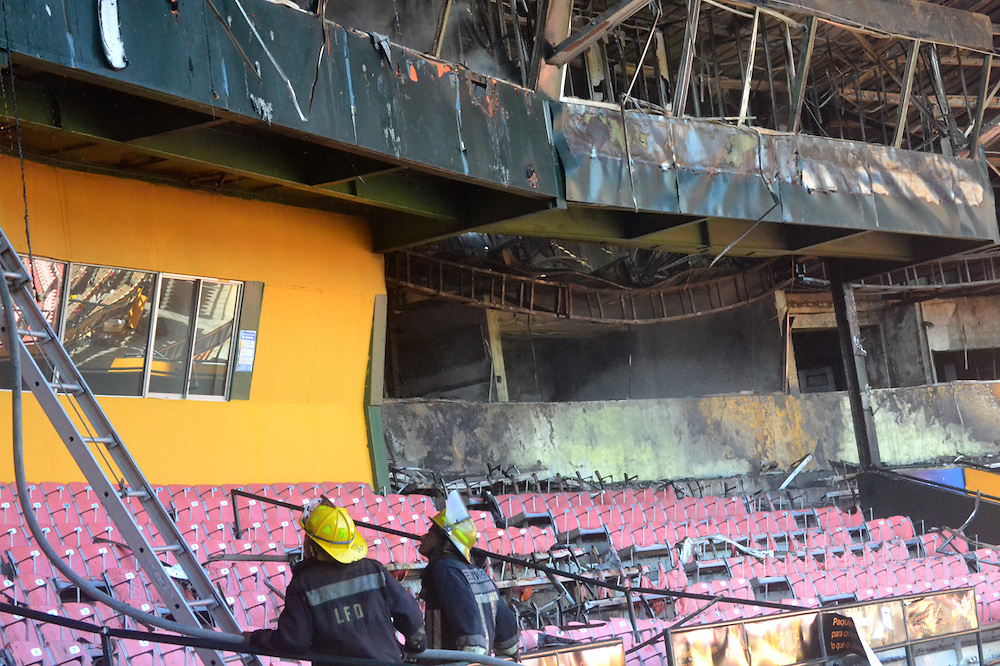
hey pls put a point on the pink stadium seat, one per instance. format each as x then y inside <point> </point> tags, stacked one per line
<point>28,653</point>
<point>286,533</point>
<point>802,586</point>
<point>79,491</point>
<point>138,653</point>
<point>125,584</point>
<point>610,515</point>
<point>279,574</point>
<point>404,551</point>
<point>13,535</point>
<point>71,534</point>
<point>675,512</point>
<point>497,541</point>
<point>92,512</point>
<point>262,489</point>
<point>61,512</point>
<point>902,527</point>
<point>190,509</point>
<point>565,521</point>
<point>283,490</point>
<point>29,561</point>
<point>217,509</point>
<point>223,575</point>
<point>49,631</point>
<point>176,655</point>
<point>510,505</point>
<point>654,513</point>
<point>8,512</point>
<point>249,511</point>
<point>482,519</point>
<point>398,504</point>
<point>695,508</point>
<point>379,550</point>
<point>259,609</point>
<point>38,591</point>
<point>16,628</point>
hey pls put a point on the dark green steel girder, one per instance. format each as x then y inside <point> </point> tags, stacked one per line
<point>101,126</point>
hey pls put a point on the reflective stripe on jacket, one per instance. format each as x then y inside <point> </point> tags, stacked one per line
<point>463,608</point>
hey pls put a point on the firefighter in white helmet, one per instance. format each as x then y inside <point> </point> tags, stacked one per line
<point>338,602</point>
<point>464,610</point>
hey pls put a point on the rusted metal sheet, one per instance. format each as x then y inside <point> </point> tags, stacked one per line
<point>718,171</point>
<point>698,167</point>
<point>925,21</point>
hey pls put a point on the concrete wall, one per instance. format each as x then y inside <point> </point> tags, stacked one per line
<point>966,323</point>
<point>694,437</point>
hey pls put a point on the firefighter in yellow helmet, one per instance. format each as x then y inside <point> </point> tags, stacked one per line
<point>340,603</point>
<point>464,610</point>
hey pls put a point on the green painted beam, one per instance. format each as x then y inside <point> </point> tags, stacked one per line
<point>374,382</point>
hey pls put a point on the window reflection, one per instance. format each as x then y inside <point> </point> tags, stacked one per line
<point>107,327</point>
<point>172,339</point>
<point>47,276</point>
<point>104,317</point>
<point>213,338</point>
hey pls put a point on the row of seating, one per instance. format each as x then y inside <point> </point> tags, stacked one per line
<point>832,551</point>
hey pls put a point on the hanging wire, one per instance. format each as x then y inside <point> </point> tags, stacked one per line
<point>20,155</point>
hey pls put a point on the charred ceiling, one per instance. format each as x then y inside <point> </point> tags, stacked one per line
<point>741,129</point>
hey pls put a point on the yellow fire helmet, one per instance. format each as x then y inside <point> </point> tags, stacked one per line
<point>333,530</point>
<point>456,522</point>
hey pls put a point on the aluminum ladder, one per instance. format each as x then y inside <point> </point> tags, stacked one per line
<point>101,455</point>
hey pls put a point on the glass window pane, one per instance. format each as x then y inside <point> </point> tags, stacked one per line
<point>107,327</point>
<point>213,340</point>
<point>48,282</point>
<point>171,340</point>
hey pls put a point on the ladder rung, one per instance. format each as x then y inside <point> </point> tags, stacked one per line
<point>11,275</point>
<point>99,440</point>
<point>174,547</point>
<point>37,335</point>
<point>203,603</point>
<point>142,494</point>
<point>67,388</point>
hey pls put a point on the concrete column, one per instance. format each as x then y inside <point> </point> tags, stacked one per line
<point>853,354</point>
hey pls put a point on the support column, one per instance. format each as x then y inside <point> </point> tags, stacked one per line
<point>853,354</point>
<point>496,355</point>
<point>374,384</point>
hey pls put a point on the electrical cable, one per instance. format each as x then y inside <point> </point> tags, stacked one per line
<point>13,346</point>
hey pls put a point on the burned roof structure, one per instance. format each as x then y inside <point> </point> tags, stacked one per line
<point>760,128</point>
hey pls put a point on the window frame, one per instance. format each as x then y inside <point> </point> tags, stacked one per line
<point>62,310</point>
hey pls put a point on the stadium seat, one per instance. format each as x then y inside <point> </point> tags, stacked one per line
<point>138,653</point>
<point>27,653</point>
<point>16,628</point>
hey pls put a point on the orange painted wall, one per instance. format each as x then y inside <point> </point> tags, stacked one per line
<point>988,482</point>
<point>304,420</point>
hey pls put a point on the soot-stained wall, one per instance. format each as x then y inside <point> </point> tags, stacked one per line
<point>441,349</point>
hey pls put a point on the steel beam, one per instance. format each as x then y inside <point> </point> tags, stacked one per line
<point>911,19</point>
<point>687,57</point>
<point>904,97</point>
<point>799,92</point>
<point>853,355</point>
<point>600,26</point>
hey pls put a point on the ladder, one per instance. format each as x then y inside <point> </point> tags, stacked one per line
<point>101,455</point>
